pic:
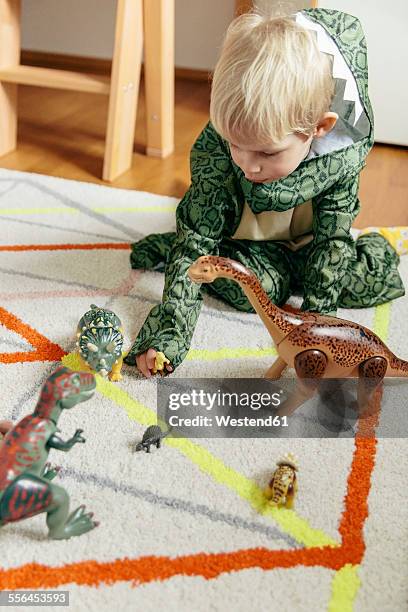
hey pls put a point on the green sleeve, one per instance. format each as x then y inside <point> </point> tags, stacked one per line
<point>332,247</point>
<point>201,217</point>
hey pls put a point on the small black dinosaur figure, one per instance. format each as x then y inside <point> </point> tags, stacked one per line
<point>152,435</point>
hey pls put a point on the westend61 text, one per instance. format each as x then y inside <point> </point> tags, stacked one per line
<point>226,421</point>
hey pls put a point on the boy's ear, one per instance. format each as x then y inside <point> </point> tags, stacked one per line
<point>325,125</point>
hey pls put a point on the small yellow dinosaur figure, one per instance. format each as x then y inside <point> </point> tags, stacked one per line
<point>159,363</point>
<point>282,488</point>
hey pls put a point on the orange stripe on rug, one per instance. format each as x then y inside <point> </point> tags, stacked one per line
<point>65,247</point>
<point>45,349</point>
<point>151,568</point>
<point>359,482</point>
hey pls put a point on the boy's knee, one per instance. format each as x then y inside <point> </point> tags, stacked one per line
<point>230,292</point>
<point>244,305</point>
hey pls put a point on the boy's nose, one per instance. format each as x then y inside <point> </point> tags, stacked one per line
<point>251,171</point>
<point>250,167</point>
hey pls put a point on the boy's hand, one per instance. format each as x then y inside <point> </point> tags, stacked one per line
<point>5,426</point>
<point>145,362</point>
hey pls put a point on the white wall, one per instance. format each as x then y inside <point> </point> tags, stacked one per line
<point>385,26</point>
<point>80,27</point>
<point>86,27</point>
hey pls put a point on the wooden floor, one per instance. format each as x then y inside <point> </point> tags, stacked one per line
<point>62,133</point>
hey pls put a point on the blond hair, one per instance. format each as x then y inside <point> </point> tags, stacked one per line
<point>271,80</point>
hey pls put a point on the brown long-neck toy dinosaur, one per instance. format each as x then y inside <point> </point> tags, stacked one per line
<point>317,346</point>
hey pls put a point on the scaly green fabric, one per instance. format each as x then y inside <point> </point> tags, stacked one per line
<point>333,270</point>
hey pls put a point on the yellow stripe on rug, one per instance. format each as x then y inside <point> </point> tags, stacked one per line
<point>138,208</point>
<point>345,585</point>
<point>382,317</point>
<point>228,353</point>
<point>46,210</point>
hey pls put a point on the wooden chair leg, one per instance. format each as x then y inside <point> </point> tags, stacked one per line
<point>9,57</point>
<point>124,88</point>
<point>159,76</point>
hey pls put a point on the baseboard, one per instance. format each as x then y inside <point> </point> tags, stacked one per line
<point>95,65</point>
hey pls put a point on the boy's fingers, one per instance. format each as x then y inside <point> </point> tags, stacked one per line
<point>146,361</point>
<point>142,365</point>
<point>150,358</point>
<point>5,426</point>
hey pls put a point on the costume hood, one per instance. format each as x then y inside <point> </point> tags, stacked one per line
<point>340,35</point>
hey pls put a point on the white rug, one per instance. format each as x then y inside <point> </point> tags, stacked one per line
<point>185,527</point>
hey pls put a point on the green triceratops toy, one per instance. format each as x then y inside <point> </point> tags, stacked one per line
<point>100,342</point>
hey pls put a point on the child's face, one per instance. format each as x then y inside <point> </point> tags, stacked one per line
<point>270,162</point>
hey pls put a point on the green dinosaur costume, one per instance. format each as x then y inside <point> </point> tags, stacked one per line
<point>294,233</point>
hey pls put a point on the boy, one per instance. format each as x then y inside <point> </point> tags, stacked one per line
<point>275,179</point>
